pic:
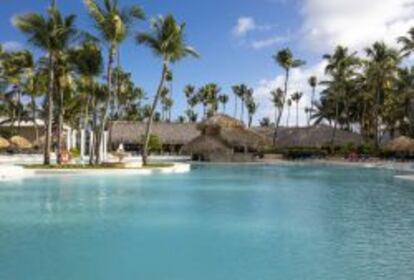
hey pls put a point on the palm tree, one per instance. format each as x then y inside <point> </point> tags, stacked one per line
<point>296,97</point>
<point>166,40</point>
<point>277,97</point>
<point>381,74</point>
<point>35,86</point>
<point>289,105</point>
<point>265,122</point>
<point>189,92</point>
<point>242,91</point>
<point>341,68</point>
<point>284,58</point>
<point>251,109</point>
<point>224,99</point>
<point>51,34</point>
<point>87,62</point>
<point>407,42</point>
<point>313,82</point>
<point>114,25</point>
<point>17,69</point>
<point>212,92</point>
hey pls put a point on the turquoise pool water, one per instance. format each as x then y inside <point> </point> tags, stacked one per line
<point>215,223</point>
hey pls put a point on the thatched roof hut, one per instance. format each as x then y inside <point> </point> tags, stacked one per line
<point>20,142</point>
<point>401,144</point>
<point>174,134</point>
<point>310,137</point>
<point>222,137</point>
<point>4,144</point>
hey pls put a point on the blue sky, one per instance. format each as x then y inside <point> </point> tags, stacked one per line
<point>236,38</point>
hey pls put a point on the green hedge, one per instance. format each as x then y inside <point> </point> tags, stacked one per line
<point>304,153</point>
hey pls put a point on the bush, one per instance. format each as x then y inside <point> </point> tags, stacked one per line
<point>348,149</point>
<point>304,153</point>
<point>155,144</point>
<point>74,153</point>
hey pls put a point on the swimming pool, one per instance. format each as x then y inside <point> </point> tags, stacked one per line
<point>216,222</point>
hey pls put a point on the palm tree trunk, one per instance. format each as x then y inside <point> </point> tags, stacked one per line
<point>288,117</point>
<point>152,112</point>
<point>235,106</point>
<point>94,128</point>
<point>377,105</point>
<point>297,114</point>
<point>36,128</point>
<point>312,101</point>
<point>101,129</point>
<point>336,123</point>
<point>60,126</point>
<point>279,118</point>
<point>48,139</point>
<point>19,107</point>
<point>242,110</point>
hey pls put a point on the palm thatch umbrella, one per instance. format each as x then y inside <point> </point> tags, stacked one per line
<point>4,144</point>
<point>401,144</point>
<point>20,142</point>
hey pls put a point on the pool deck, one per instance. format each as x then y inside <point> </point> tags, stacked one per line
<point>15,172</point>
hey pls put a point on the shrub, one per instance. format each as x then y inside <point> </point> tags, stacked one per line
<point>74,153</point>
<point>304,153</point>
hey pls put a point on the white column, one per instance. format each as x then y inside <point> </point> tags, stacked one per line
<point>105,146</point>
<point>101,148</point>
<point>82,144</point>
<point>74,139</point>
<point>91,135</point>
<point>69,139</point>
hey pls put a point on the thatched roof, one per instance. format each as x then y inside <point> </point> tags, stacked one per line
<point>223,121</point>
<point>205,144</point>
<point>169,133</point>
<point>400,144</point>
<point>314,136</point>
<point>4,144</point>
<point>228,132</point>
<point>20,142</point>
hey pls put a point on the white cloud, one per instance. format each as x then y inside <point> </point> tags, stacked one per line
<point>268,42</point>
<point>355,23</point>
<point>11,46</point>
<point>244,25</point>
<point>298,82</point>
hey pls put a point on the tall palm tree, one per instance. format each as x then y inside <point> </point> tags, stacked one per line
<point>51,34</point>
<point>212,92</point>
<point>114,25</point>
<point>407,42</point>
<point>242,91</point>
<point>296,97</point>
<point>35,87</point>
<point>285,59</point>
<point>381,72</point>
<point>87,62</point>
<point>251,106</point>
<point>189,92</point>
<point>276,98</point>
<point>17,69</point>
<point>341,68</point>
<point>223,99</point>
<point>167,41</point>
<point>313,82</point>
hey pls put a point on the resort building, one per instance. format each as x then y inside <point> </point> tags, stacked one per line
<point>173,136</point>
<point>34,132</point>
<point>310,137</point>
<point>225,139</point>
